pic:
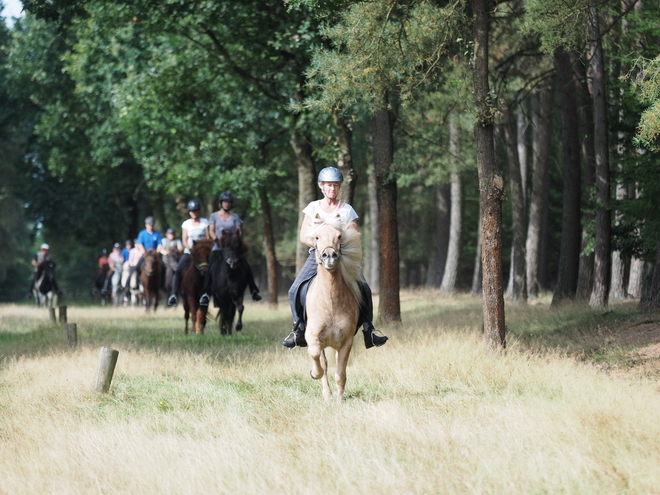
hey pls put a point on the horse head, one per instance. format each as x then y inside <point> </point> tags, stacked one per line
<point>201,253</point>
<point>327,242</point>
<point>232,246</point>
<point>151,262</point>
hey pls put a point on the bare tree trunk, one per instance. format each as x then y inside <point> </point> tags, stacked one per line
<point>617,290</point>
<point>636,278</point>
<point>651,295</point>
<point>602,264</point>
<point>477,274</point>
<point>375,236</point>
<point>438,258</point>
<point>569,255</point>
<point>306,185</point>
<point>523,147</point>
<point>448,284</point>
<point>491,186</point>
<point>269,241</point>
<point>386,191</point>
<point>542,125</point>
<point>455,233</point>
<point>519,290</point>
<point>345,159</point>
<point>586,129</point>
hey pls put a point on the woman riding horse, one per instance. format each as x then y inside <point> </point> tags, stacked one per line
<point>192,230</point>
<point>329,180</point>
<point>219,221</point>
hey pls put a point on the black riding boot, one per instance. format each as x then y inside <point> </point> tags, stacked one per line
<point>173,300</point>
<point>297,337</point>
<point>371,339</point>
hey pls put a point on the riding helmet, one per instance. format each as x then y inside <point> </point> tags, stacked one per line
<point>149,221</point>
<point>226,196</point>
<point>129,242</point>
<point>330,174</point>
<point>104,251</point>
<point>116,245</point>
<point>45,247</point>
<point>193,205</point>
<point>169,231</point>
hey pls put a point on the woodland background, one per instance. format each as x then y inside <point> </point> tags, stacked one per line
<point>112,111</point>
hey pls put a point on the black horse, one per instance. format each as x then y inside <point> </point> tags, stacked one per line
<point>44,289</point>
<point>230,279</point>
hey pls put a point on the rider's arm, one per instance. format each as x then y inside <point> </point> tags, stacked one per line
<point>304,227</point>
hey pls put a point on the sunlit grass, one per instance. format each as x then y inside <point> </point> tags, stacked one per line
<point>430,412</point>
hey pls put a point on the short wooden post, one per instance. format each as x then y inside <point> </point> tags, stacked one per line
<point>62,314</point>
<point>52,315</point>
<point>107,362</point>
<point>72,335</point>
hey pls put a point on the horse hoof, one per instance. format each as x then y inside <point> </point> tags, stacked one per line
<point>239,328</point>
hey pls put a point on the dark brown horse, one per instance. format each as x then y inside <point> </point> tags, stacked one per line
<point>192,282</point>
<point>230,279</point>
<point>150,278</point>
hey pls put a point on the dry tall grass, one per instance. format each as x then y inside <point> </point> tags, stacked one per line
<point>429,412</point>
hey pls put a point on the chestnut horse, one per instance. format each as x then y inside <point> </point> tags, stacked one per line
<point>150,278</point>
<point>333,300</point>
<point>192,283</point>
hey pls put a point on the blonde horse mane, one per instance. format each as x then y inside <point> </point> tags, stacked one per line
<point>351,252</point>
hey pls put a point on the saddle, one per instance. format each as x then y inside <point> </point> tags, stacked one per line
<point>301,304</point>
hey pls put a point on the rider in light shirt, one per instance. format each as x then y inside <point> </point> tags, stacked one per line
<point>193,229</point>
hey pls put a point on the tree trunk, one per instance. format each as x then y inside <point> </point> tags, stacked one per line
<point>617,290</point>
<point>491,186</point>
<point>306,185</point>
<point>345,159</point>
<point>569,254</point>
<point>386,193</point>
<point>439,254</point>
<point>603,218</point>
<point>477,273</point>
<point>519,290</point>
<point>636,278</point>
<point>375,236</point>
<point>651,295</point>
<point>586,129</point>
<point>542,125</point>
<point>269,241</point>
<point>455,233</point>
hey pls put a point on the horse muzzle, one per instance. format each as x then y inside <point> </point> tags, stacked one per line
<point>330,258</point>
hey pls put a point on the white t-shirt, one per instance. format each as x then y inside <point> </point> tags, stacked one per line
<point>345,211</point>
<point>195,232</point>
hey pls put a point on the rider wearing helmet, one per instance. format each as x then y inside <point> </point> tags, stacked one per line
<point>220,220</point>
<point>193,229</point>
<point>147,239</point>
<point>171,251</point>
<point>329,180</point>
<point>41,256</point>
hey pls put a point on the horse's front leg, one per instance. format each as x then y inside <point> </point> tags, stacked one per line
<point>320,368</point>
<point>238,303</point>
<point>342,363</point>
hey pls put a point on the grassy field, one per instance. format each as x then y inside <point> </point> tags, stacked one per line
<point>572,407</point>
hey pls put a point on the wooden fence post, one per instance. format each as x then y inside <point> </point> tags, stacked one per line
<point>107,362</point>
<point>63,314</point>
<point>72,335</point>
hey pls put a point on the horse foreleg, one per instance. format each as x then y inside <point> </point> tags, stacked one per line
<point>319,369</point>
<point>239,308</point>
<point>342,363</point>
<point>201,319</point>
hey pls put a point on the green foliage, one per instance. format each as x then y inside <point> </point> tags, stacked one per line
<point>383,46</point>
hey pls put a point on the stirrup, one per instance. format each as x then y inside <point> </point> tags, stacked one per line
<point>204,300</point>
<point>290,341</point>
<point>172,301</point>
<point>371,340</point>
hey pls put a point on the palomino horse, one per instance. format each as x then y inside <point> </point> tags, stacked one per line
<point>43,290</point>
<point>333,300</point>
<point>150,278</point>
<point>192,283</point>
<point>230,279</point>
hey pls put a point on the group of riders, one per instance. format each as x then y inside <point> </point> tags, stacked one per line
<point>176,253</point>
